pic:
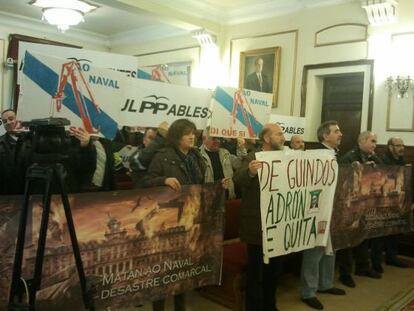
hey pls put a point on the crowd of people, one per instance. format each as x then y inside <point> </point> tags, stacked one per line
<point>172,156</point>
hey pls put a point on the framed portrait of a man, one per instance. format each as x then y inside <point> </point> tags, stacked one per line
<point>259,71</point>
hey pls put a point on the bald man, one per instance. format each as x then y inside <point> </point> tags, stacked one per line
<point>261,278</point>
<point>297,142</point>
<point>9,183</point>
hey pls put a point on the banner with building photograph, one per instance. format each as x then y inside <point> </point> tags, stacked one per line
<point>136,246</point>
<point>371,202</point>
<point>239,112</point>
<point>100,100</point>
<point>297,192</point>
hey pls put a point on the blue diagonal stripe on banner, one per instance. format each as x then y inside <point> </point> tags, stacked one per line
<point>48,81</point>
<point>226,101</point>
<point>144,75</point>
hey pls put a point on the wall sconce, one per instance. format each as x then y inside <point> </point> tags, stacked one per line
<point>400,84</point>
<point>380,12</point>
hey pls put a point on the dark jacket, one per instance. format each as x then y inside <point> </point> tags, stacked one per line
<point>250,219</point>
<point>10,180</point>
<point>79,164</point>
<point>108,183</point>
<point>322,146</point>
<point>167,163</point>
<point>252,83</point>
<point>389,159</point>
<point>357,154</point>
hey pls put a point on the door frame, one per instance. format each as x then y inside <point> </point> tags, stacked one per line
<point>339,67</point>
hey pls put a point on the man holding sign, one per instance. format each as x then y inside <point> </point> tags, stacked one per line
<point>318,264</point>
<point>261,279</point>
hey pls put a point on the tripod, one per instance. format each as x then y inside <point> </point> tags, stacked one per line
<point>49,174</point>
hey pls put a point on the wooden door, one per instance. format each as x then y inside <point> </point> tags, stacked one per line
<point>342,101</point>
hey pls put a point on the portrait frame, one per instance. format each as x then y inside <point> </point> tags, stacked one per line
<point>270,56</point>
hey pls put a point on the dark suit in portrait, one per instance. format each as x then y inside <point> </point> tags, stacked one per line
<point>253,83</point>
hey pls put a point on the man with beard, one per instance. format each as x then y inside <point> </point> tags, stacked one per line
<point>393,156</point>
<point>261,278</point>
<point>318,264</point>
<point>364,153</point>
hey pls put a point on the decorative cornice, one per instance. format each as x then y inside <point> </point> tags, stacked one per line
<point>248,13</point>
<point>145,34</point>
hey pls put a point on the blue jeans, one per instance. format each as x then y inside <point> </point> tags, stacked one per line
<point>318,271</point>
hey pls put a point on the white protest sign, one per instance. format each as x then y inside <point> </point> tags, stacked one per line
<point>148,103</point>
<point>297,192</point>
<point>126,64</point>
<point>102,99</point>
<point>88,96</point>
<point>290,125</point>
<point>239,113</point>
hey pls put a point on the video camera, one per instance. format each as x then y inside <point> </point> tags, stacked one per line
<point>48,139</point>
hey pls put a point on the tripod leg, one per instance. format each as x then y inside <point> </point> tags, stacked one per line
<point>21,234</point>
<point>37,276</point>
<point>60,173</point>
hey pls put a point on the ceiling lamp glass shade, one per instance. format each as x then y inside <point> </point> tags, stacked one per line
<point>63,13</point>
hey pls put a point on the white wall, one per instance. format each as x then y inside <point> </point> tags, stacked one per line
<point>295,34</point>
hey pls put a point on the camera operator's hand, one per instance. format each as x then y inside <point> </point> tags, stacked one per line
<point>80,134</point>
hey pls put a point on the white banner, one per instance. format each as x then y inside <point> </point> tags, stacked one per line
<point>100,99</point>
<point>290,125</point>
<point>238,112</point>
<point>148,103</point>
<point>174,73</point>
<point>297,192</point>
<point>123,63</point>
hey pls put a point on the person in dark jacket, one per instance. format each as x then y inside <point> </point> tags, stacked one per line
<point>102,177</point>
<point>9,183</point>
<point>364,153</point>
<point>179,163</point>
<point>261,278</point>
<point>318,264</point>
<point>393,156</point>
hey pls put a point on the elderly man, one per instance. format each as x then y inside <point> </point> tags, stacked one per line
<point>219,162</point>
<point>318,266</point>
<point>297,142</point>
<point>261,279</point>
<point>8,150</point>
<point>257,80</point>
<point>393,156</point>
<point>364,153</point>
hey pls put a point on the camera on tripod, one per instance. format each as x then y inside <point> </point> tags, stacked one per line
<point>47,144</point>
<point>48,139</point>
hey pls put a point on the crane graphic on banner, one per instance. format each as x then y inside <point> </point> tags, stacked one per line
<point>158,74</point>
<point>72,70</point>
<point>240,100</point>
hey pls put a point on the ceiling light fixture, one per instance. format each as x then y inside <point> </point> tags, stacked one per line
<point>380,12</point>
<point>204,38</point>
<point>63,13</point>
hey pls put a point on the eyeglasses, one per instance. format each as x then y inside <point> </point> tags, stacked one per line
<point>398,145</point>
